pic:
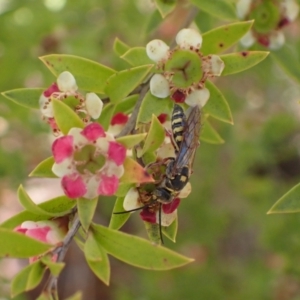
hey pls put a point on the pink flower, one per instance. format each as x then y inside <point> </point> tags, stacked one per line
<point>48,231</point>
<point>89,161</point>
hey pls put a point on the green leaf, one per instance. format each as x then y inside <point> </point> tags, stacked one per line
<point>221,38</point>
<point>106,115</point>
<point>15,244</point>
<point>288,60</point>
<point>65,117</point>
<point>123,189</point>
<point>28,98</point>
<point>54,267</point>
<point>238,62</point>
<point>86,210</point>
<point>134,172</point>
<point>44,169</point>
<point>171,231</point>
<point>217,105</point>
<point>153,22</point>
<point>288,203</point>
<point>118,220</point>
<point>28,278</point>
<point>29,205</point>
<point>152,105</point>
<point>97,259</point>
<point>153,233</point>
<point>90,76</point>
<point>121,84</point>
<point>126,105</point>
<point>136,251</point>
<point>120,47</point>
<point>221,9</point>
<point>130,141</point>
<point>165,7</point>
<point>155,136</point>
<point>59,206</point>
<point>210,135</point>
<point>137,56</point>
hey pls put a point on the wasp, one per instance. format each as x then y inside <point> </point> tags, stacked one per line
<point>185,133</point>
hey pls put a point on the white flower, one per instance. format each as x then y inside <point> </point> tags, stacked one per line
<point>66,82</point>
<point>248,39</point>
<point>243,8</point>
<point>188,37</point>
<point>159,86</point>
<point>277,40</point>
<point>198,97</point>
<point>157,50</point>
<point>290,9</point>
<point>94,105</point>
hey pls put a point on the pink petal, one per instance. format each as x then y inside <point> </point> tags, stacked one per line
<point>39,233</point>
<point>118,119</point>
<point>73,186</point>
<point>108,185</point>
<point>170,207</point>
<point>116,152</point>
<point>62,148</point>
<point>20,229</point>
<point>52,89</point>
<point>93,131</point>
<point>148,216</point>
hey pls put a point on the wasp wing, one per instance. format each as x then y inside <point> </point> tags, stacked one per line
<point>190,141</point>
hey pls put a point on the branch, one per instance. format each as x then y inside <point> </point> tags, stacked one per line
<point>51,285</point>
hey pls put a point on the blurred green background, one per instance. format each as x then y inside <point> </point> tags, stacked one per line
<point>240,252</point>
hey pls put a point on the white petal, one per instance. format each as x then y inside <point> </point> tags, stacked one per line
<point>46,107</point>
<point>165,151</point>
<point>188,37</point>
<point>78,139</point>
<point>166,219</point>
<point>94,105</point>
<point>243,8</point>
<point>157,50</point>
<point>29,225</point>
<point>115,129</point>
<point>248,39</point>
<point>63,168</point>
<point>198,97</point>
<point>216,65</point>
<point>92,184</point>
<point>290,9</point>
<point>159,86</point>
<point>113,169</point>
<point>102,144</point>
<point>66,82</point>
<point>185,191</point>
<point>131,200</point>
<point>277,40</point>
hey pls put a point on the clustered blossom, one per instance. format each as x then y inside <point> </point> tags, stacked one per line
<point>165,82</point>
<point>48,231</point>
<point>270,17</point>
<point>66,88</point>
<point>89,161</point>
<point>150,213</point>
